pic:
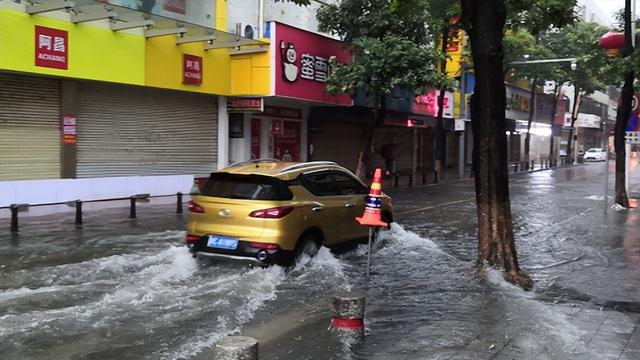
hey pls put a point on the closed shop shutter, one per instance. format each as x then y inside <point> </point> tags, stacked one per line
<point>402,137</point>
<point>127,130</point>
<point>29,127</point>
<point>339,142</point>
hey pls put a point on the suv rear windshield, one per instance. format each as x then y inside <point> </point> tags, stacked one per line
<point>249,187</point>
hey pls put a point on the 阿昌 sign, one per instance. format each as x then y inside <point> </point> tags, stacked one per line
<point>51,48</point>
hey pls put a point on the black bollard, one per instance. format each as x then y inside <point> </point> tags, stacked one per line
<point>132,211</point>
<point>14,217</point>
<point>179,203</point>
<point>533,164</point>
<point>78,212</point>
<point>395,180</point>
<point>410,180</point>
<point>424,178</point>
<point>515,167</point>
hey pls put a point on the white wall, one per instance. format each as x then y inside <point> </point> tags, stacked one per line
<point>63,190</point>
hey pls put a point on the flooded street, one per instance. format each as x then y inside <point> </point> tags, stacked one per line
<point>129,289</point>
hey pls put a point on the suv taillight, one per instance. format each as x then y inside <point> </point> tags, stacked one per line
<point>265,246</point>
<point>192,238</point>
<point>272,213</point>
<point>195,207</point>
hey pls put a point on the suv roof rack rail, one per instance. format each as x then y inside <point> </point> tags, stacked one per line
<point>255,161</point>
<point>306,164</point>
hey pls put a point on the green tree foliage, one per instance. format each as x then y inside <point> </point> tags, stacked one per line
<point>392,45</point>
<point>581,41</point>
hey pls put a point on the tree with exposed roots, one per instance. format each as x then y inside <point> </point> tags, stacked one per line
<point>484,21</point>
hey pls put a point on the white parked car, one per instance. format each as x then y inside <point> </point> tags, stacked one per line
<point>595,154</point>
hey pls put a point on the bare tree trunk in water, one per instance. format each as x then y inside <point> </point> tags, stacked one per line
<point>556,99</point>
<point>441,136</point>
<point>532,109</point>
<point>484,21</point>
<point>621,124</point>
<point>574,117</point>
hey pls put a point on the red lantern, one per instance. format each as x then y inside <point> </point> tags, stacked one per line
<point>613,42</point>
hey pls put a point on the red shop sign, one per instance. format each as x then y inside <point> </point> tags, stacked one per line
<point>52,48</point>
<point>191,70</point>
<point>303,64</point>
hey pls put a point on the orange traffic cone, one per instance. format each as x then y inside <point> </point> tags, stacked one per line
<point>372,215</point>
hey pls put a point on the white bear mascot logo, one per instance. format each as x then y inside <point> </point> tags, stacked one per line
<point>289,65</point>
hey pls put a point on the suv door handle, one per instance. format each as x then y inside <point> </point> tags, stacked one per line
<point>317,208</point>
<point>349,205</point>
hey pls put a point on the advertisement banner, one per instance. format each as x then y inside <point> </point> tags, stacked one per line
<point>51,48</point>
<point>69,130</point>
<point>633,124</point>
<point>427,104</point>
<point>302,64</point>
<point>198,12</point>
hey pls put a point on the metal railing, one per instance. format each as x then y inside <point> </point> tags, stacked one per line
<point>133,200</point>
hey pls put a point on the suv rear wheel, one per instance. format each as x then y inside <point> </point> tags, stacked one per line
<point>309,244</point>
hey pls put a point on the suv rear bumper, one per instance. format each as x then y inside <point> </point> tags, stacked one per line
<point>242,252</point>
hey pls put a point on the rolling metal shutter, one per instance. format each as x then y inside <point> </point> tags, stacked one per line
<point>29,127</point>
<point>127,130</point>
<point>339,142</point>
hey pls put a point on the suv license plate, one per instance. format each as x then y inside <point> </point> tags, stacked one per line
<point>222,242</point>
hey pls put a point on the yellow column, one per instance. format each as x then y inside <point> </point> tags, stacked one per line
<point>221,15</point>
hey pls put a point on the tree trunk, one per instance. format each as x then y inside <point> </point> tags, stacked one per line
<point>441,137</point>
<point>624,110</point>
<point>365,156</point>
<point>532,109</point>
<point>484,21</point>
<point>556,99</point>
<point>574,117</point>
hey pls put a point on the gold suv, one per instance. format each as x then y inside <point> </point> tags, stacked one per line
<point>271,211</point>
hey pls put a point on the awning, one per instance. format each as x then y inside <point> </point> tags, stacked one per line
<point>188,20</point>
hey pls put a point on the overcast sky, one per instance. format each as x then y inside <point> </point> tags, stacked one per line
<point>610,6</point>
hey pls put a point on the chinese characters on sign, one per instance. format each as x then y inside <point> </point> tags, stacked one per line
<point>303,64</point>
<point>427,104</point>
<point>311,67</point>
<point>314,68</point>
<point>245,105</point>
<point>69,130</point>
<point>192,70</point>
<point>51,48</point>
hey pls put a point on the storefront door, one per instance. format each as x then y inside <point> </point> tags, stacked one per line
<point>286,143</point>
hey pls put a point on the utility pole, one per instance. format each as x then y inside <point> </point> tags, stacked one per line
<point>463,116</point>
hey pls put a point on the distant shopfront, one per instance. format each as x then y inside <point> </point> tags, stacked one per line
<point>298,72</point>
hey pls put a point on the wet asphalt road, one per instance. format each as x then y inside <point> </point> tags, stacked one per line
<point>128,289</point>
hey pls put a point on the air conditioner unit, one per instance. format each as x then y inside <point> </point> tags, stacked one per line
<point>247,30</point>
